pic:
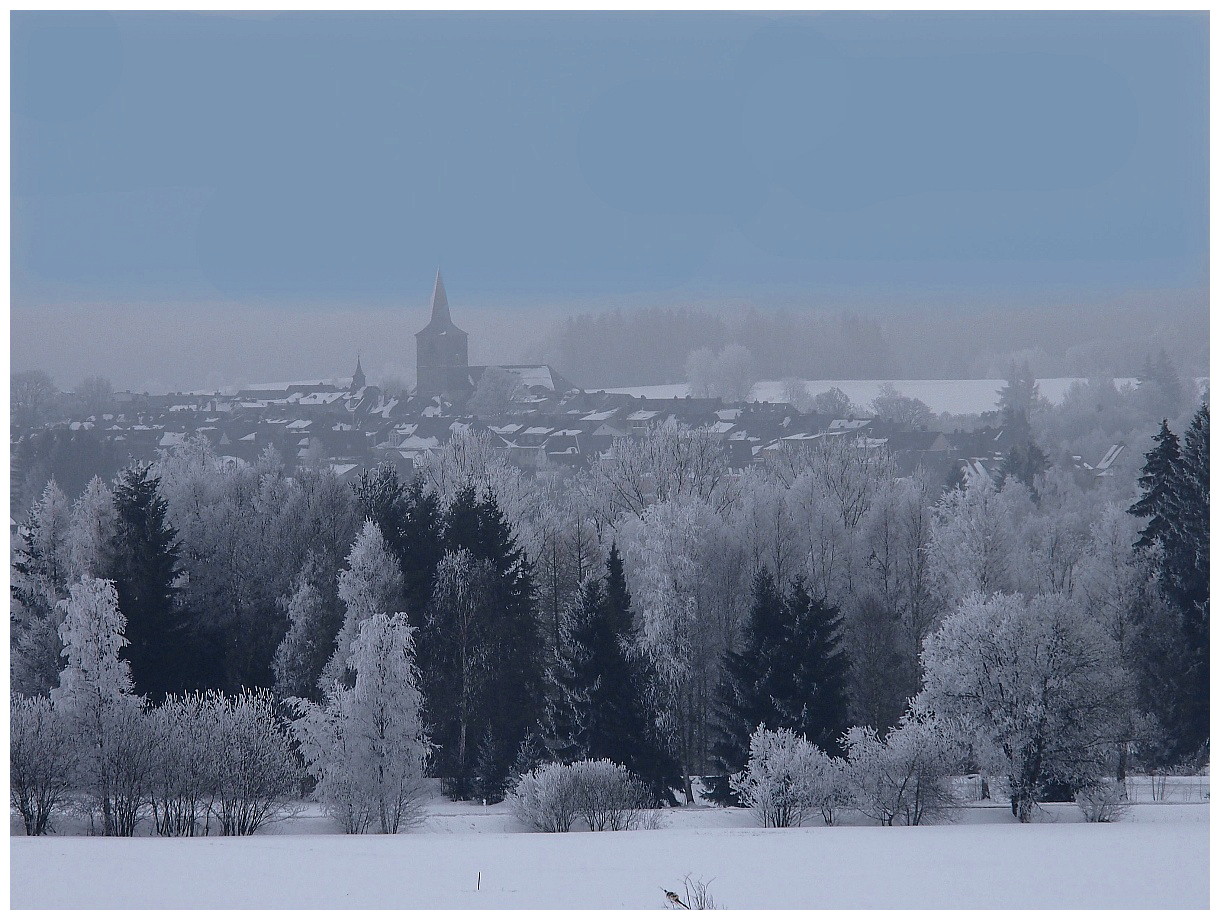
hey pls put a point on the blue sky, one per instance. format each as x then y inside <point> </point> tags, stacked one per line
<point>341,158</point>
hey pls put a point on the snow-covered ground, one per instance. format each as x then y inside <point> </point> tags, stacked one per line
<point>959,397</point>
<point>466,856</point>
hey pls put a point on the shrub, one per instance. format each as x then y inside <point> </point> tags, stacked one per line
<point>545,798</point>
<point>184,773</point>
<point>787,779</point>
<point>256,769</point>
<point>1103,802</point>
<point>42,761</point>
<point>605,795</point>
<point>904,779</point>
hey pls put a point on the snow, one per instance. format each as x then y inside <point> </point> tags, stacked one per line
<point>959,397</point>
<point>1157,857</point>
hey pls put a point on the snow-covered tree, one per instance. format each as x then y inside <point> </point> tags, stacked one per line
<point>310,640</point>
<point>498,389</point>
<point>669,462</point>
<point>185,766</point>
<point>787,780</point>
<point>975,546</point>
<point>683,622</point>
<point>906,411</point>
<point>43,761</point>
<point>41,567</point>
<point>1037,685</point>
<point>371,584</point>
<point>905,777</point>
<point>367,745</point>
<point>256,769</point>
<point>96,696</point>
<point>92,530</point>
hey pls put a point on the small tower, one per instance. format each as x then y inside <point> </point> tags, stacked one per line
<point>442,364</point>
<point>358,381</point>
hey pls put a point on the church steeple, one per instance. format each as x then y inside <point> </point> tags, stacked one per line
<point>358,380</point>
<point>442,365</point>
<point>441,320</point>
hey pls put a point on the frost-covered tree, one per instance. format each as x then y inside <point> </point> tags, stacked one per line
<point>40,575</point>
<point>96,696</point>
<point>668,462</point>
<point>787,780</point>
<point>367,744</point>
<point>975,546</point>
<point>684,622</point>
<point>310,640</point>
<point>255,767</point>
<point>906,411</point>
<point>458,648</point>
<point>905,777</point>
<point>1037,685</point>
<point>834,402</point>
<point>43,761</point>
<point>185,766</point>
<point>92,531</point>
<point>371,584</point>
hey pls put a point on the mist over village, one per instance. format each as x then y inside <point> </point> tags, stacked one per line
<point>672,461</point>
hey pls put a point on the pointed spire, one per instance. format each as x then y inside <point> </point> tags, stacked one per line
<point>440,303</point>
<point>441,320</point>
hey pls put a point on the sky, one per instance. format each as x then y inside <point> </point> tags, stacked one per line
<point>171,168</point>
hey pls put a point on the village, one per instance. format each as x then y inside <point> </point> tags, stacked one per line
<point>537,417</point>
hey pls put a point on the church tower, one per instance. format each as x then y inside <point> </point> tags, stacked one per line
<point>358,380</point>
<point>442,365</point>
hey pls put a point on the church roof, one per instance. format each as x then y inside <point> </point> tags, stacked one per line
<point>441,321</point>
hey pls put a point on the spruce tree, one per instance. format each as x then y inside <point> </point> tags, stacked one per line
<point>145,559</point>
<point>501,637</point>
<point>1157,483</point>
<point>1184,575</point>
<point>816,707</point>
<point>746,697</point>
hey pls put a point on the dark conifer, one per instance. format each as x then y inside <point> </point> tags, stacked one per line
<point>1157,483</point>
<point>145,559</point>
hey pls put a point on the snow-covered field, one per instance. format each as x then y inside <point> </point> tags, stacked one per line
<point>959,397</point>
<point>465,856</point>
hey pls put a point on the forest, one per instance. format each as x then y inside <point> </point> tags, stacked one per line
<point>482,624</point>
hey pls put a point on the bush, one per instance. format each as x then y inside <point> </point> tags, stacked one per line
<point>184,772</point>
<point>905,779</point>
<point>256,769</point>
<point>604,794</point>
<point>42,761</point>
<point>1103,802</point>
<point>787,779</point>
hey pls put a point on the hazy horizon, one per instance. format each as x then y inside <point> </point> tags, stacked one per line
<point>176,224</point>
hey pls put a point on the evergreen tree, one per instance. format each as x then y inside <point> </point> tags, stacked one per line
<point>1018,397</point>
<point>40,568</point>
<point>409,519</point>
<point>790,673</point>
<point>489,780</point>
<point>746,697</point>
<point>1157,484</point>
<point>1184,575</point>
<point>145,559</point>
<point>816,705</point>
<point>1025,461</point>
